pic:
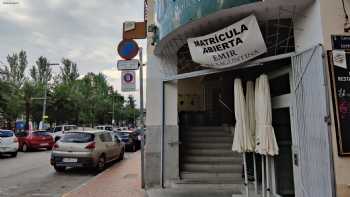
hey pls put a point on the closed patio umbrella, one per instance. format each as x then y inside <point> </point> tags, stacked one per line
<point>266,143</point>
<point>250,104</point>
<point>242,141</point>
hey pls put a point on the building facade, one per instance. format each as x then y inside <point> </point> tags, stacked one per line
<point>189,106</point>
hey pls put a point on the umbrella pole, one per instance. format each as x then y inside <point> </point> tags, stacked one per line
<point>267,177</point>
<point>255,176</point>
<point>262,176</point>
<point>245,174</point>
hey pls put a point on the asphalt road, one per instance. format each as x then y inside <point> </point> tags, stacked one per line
<point>31,175</point>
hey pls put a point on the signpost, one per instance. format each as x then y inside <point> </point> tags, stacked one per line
<point>128,80</point>
<point>128,49</point>
<point>128,64</point>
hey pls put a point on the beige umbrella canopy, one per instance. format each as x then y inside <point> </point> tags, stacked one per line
<point>266,143</point>
<point>242,141</point>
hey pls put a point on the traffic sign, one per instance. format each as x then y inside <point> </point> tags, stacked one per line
<point>128,49</point>
<point>128,64</point>
<point>128,80</point>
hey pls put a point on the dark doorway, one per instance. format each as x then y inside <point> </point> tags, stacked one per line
<point>284,161</point>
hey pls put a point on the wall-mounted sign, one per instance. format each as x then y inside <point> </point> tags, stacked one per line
<point>340,42</point>
<point>128,49</point>
<point>128,64</point>
<point>340,85</point>
<point>230,46</point>
<point>134,30</point>
<point>128,80</point>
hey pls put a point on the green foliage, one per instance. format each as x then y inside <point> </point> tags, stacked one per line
<point>86,101</point>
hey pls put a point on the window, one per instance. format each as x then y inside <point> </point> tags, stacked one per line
<point>78,137</point>
<point>109,128</point>
<point>57,129</point>
<point>106,137</point>
<point>6,133</point>
<point>41,133</point>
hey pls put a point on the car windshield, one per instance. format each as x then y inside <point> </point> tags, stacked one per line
<point>77,137</point>
<point>6,133</point>
<point>41,133</point>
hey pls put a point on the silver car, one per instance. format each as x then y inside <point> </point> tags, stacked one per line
<point>86,148</point>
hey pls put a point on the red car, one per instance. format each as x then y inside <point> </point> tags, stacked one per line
<point>35,140</point>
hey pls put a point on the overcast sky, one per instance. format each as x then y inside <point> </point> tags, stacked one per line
<point>85,31</point>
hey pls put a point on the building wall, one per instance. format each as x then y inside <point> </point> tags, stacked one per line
<point>333,23</point>
<point>191,95</point>
<point>157,69</point>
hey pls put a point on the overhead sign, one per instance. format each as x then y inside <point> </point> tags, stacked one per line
<point>230,46</point>
<point>128,64</point>
<point>128,49</point>
<point>128,80</point>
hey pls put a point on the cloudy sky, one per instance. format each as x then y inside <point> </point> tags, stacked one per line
<point>85,31</point>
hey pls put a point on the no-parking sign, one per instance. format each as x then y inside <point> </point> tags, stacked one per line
<point>128,81</point>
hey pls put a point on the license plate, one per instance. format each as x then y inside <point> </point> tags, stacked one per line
<point>44,144</point>
<point>70,160</point>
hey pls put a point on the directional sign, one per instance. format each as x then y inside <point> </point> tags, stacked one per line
<point>128,81</point>
<point>128,64</point>
<point>128,49</point>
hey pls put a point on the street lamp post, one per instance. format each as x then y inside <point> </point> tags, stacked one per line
<point>45,95</point>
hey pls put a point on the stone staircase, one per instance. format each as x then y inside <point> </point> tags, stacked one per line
<point>209,162</point>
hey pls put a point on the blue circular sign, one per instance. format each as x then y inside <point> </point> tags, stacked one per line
<point>128,49</point>
<point>128,77</point>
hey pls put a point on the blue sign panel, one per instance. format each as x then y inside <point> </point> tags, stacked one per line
<point>173,14</point>
<point>20,125</point>
<point>128,49</point>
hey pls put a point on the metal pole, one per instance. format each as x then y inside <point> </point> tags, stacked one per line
<point>267,176</point>
<point>162,138</point>
<point>262,176</point>
<point>44,105</point>
<point>142,123</point>
<point>255,175</point>
<point>113,121</point>
<point>245,174</point>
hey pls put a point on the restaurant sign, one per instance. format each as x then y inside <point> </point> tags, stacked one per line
<point>230,46</point>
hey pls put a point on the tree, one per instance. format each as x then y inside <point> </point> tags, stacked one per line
<point>28,90</point>
<point>41,73</point>
<point>69,72</point>
<point>17,64</point>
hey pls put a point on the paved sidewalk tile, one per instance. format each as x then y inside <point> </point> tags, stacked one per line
<point>120,180</point>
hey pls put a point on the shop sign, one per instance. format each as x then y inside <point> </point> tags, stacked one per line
<point>230,46</point>
<point>128,64</point>
<point>340,42</point>
<point>340,85</point>
<point>128,80</point>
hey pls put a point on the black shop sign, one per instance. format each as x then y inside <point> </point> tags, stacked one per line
<point>340,85</point>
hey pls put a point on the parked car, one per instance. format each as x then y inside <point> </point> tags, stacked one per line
<point>59,130</point>
<point>105,127</point>
<point>34,140</point>
<point>130,138</point>
<point>89,148</point>
<point>8,143</point>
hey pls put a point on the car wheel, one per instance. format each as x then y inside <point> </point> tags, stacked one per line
<point>59,168</point>
<point>121,155</point>
<point>14,154</point>
<point>25,148</point>
<point>101,163</point>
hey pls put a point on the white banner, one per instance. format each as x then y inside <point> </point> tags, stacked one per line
<point>230,46</point>
<point>128,81</point>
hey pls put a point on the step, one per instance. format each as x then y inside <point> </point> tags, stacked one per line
<point>210,152</point>
<point>208,139</point>
<point>208,145</point>
<point>210,175</point>
<point>206,128</point>
<point>195,167</point>
<point>231,180</point>
<point>193,192</point>
<point>213,159</point>
<point>233,188</point>
<point>206,134</point>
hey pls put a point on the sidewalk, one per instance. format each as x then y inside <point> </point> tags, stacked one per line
<point>120,180</point>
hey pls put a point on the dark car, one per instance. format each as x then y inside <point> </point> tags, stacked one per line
<point>34,140</point>
<point>130,138</point>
